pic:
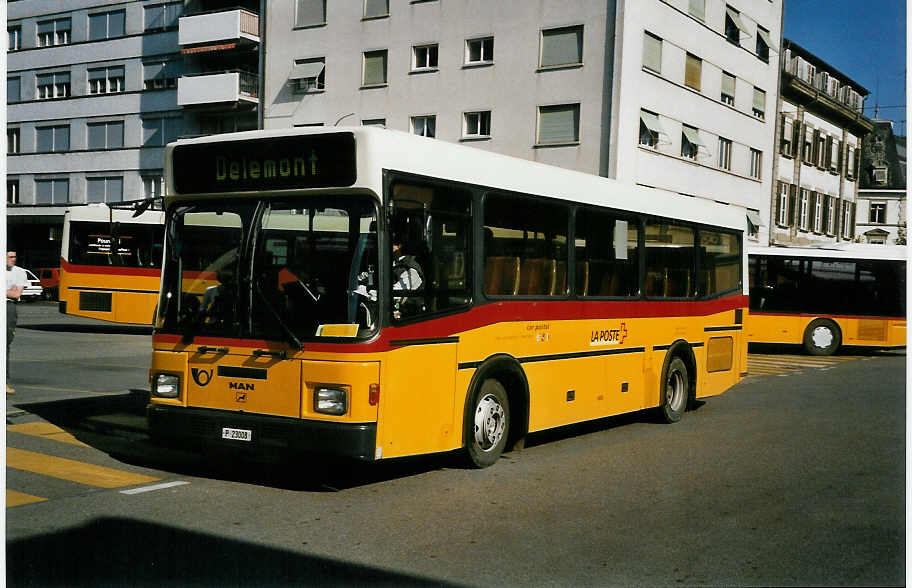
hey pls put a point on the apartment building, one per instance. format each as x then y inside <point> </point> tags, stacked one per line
<point>96,88</point>
<point>819,137</point>
<point>881,216</point>
<point>674,94</point>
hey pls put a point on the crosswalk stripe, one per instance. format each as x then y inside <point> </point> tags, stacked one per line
<point>47,431</point>
<point>14,498</point>
<point>72,470</point>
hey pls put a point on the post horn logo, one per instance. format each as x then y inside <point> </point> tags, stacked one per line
<point>201,376</point>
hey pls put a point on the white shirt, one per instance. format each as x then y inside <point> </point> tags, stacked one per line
<point>15,276</point>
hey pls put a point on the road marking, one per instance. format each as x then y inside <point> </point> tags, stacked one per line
<point>783,365</point>
<point>153,487</point>
<point>57,389</point>
<point>72,470</point>
<point>14,498</point>
<point>47,431</point>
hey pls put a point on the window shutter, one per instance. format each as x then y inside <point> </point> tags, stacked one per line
<point>114,190</point>
<point>13,90</point>
<point>96,136</point>
<point>828,156</point>
<point>44,139</point>
<point>792,199</point>
<point>728,84</point>
<point>44,190</point>
<point>778,200</point>
<point>45,27</point>
<point>98,26</point>
<point>97,74</point>
<point>562,46</point>
<point>759,99</point>
<point>839,157</point>
<point>376,7</point>
<point>558,124</point>
<point>652,52</point>
<point>837,217</point>
<point>116,23</point>
<point>852,226</point>
<point>310,12</point>
<point>692,69</point>
<point>698,9</point>
<point>155,17</point>
<point>375,68</point>
<point>796,142</point>
<point>151,71</point>
<point>815,147</point>
<point>115,135</point>
<point>824,213</point>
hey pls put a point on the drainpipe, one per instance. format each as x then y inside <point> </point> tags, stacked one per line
<point>261,82</point>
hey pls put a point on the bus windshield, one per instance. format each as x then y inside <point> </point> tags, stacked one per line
<point>287,270</point>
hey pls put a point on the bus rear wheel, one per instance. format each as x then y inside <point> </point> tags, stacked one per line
<point>675,390</point>
<point>822,337</point>
<point>488,425</point>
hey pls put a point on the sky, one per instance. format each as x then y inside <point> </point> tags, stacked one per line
<point>865,41</point>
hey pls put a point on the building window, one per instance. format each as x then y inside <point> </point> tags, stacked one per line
<point>783,217</point>
<point>54,32</point>
<point>818,211</point>
<point>763,44</point>
<point>373,122</point>
<point>105,135</point>
<point>54,139</point>
<point>478,51</point>
<point>376,8</point>
<point>808,145</point>
<point>374,68</point>
<point>728,89</point>
<point>786,136</point>
<point>13,90</point>
<point>821,151</point>
<point>831,215</point>
<point>162,74</point>
<point>104,189</point>
<point>561,47</point>
<point>153,185</point>
<point>848,230</point>
<point>725,153</point>
<point>160,131</point>
<point>733,25</point>
<point>558,124</point>
<point>756,160</point>
<point>426,125</point>
<point>877,213</point>
<point>693,69</point>
<point>55,191</point>
<point>163,16</point>
<point>15,38</point>
<point>424,57</point>
<point>12,140</point>
<point>880,175</point>
<point>652,52</point>
<point>309,75</point>
<point>107,25</point>
<point>106,80</point>
<point>310,13</point>
<point>650,129</point>
<point>12,191</point>
<point>53,85</point>
<point>759,103</point>
<point>850,162</point>
<point>697,9</point>
<point>690,142</point>
<point>803,210</point>
<point>476,124</point>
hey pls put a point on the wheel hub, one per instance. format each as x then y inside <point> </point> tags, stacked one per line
<point>674,390</point>
<point>822,337</point>
<point>489,423</point>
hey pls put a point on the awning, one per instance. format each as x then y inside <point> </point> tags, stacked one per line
<point>736,18</point>
<point>652,122</point>
<point>754,219</point>
<point>208,48</point>
<point>693,136</point>
<point>303,71</point>
<point>766,39</point>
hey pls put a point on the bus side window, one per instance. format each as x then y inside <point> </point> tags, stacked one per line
<point>607,260</point>
<point>670,259</point>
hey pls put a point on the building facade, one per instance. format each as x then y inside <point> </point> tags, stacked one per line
<point>674,94</point>
<point>96,88</point>
<point>881,216</point>
<point>819,138</point>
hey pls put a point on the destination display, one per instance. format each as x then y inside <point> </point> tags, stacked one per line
<point>274,163</point>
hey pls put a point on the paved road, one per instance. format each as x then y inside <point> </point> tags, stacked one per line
<point>788,479</point>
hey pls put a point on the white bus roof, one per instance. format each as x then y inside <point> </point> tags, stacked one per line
<point>836,251</point>
<point>379,149</point>
<point>99,212</point>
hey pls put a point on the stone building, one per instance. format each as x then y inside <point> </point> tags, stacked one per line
<point>881,214</point>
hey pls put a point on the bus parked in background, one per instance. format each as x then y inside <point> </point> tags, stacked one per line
<point>110,262</point>
<point>825,298</point>
<point>379,295</point>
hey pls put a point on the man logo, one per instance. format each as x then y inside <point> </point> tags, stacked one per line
<point>200,376</point>
<point>240,396</point>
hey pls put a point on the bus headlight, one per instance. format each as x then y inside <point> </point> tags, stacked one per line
<point>166,386</point>
<point>330,400</point>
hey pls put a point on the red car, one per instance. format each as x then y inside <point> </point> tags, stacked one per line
<point>50,281</point>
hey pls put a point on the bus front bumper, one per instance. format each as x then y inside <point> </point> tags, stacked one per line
<point>205,427</point>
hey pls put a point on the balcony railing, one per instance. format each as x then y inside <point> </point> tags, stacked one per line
<point>216,87</point>
<point>213,27</point>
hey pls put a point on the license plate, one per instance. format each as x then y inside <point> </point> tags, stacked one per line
<point>237,434</point>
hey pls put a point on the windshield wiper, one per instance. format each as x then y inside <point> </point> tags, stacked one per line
<point>288,332</point>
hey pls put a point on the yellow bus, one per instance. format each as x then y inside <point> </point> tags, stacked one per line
<point>823,298</point>
<point>110,262</point>
<point>380,295</point>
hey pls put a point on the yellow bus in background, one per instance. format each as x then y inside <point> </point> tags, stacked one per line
<point>823,298</point>
<point>378,294</point>
<point>110,262</point>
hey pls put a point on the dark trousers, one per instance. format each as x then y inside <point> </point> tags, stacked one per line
<point>11,317</point>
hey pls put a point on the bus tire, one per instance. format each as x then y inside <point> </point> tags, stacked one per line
<point>488,425</point>
<point>674,390</point>
<point>822,337</point>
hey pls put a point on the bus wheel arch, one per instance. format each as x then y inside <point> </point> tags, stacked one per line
<point>822,336</point>
<point>498,374</point>
<point>678,383</point>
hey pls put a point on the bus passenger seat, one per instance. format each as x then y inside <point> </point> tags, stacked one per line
<point>501,275</point>
<point>582,278</point>
<point>535,276</point>
<point>611,283</point>
<point>559,285</point>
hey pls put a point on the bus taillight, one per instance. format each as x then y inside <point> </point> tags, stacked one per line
<point>373,395</point>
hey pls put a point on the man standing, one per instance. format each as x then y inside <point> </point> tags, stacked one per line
<point>16,281</point>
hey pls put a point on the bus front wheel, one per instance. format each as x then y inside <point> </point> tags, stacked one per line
<point>488,425</point>
<point>675,391</point>
<point>822,337</point>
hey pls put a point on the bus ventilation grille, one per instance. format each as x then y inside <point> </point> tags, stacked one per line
<point>872,330</point>
<point>95,301</point>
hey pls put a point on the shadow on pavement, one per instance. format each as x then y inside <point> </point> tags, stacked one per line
<point>845,350</point>
<point>113,551</point>
<point>93,329</point>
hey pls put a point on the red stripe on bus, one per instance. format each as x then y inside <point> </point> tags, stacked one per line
<point>492,313</point>
<point>109,270</point>
<point>829,316</point>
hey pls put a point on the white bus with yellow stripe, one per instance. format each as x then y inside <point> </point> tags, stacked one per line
<point>547,297</point>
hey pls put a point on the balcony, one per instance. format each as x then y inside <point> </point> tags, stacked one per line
<point>218,30</point>
<point>218,87</point>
